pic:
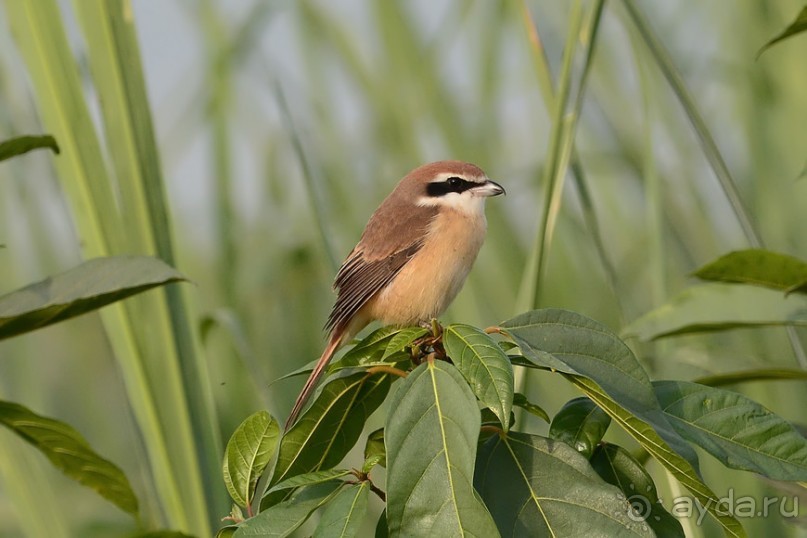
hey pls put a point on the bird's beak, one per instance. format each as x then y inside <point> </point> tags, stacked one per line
<point>489,188</point>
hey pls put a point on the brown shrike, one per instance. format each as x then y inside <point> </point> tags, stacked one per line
<point>412,258</point>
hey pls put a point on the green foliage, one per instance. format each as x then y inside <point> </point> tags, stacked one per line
<point>70,453</point>
<point>345,514</point>
<point>736,430</point>
<point>88,287</point>
<point>618,467</point>
<point>484,366</point>
<point>248,452</point>
<point>798,26</point>
<point>539,94</point>
<point>24,144</point>
<point>441,480</point>
<point>329,428</point>
<point>284,518</point>
<point>573,344</point>
<point>757,266</point>
<point>535,486</point>
<point>719,307</point>
<point>430,435</point>
<point>581,425</point>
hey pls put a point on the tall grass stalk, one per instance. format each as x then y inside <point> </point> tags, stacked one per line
<point>150,335</point>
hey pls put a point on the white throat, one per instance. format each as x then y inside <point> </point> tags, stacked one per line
<point>464,202</point>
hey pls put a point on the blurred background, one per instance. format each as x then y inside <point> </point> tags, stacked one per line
<point>282,125</point>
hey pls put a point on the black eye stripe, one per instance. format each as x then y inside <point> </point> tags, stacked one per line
<point>452,184</point>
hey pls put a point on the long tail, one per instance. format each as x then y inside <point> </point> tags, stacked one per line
<point>311,384</point>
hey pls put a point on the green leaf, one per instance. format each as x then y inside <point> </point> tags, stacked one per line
<point>402,339</point>
<point>23,144</point>
<point>284,518</point>
<point>796,27</point>
<point>90,286</point>
<point>227,532</point>
<point>535,486</point>
<point>489,418</point>
<point>161,534</point>
<point>381,529</point>
<point>719,307</point>
<point>739,432</point>
<point>761,374</point>
<point>616,466</point>
<point>573,344</point>
<point>344,516</point>
<point>375,453</point>
<point>657,447</point>
<point>329,428</point>
<point>581,424</point>
<point>756,266</point>
<point>431,434</point>
<point>248,452</point>
<point>519,400</point>
<point>308,479</point>
<point>484,366</point>
<point>307,369</point>
<point>370,349</point>
<point>70,453</point>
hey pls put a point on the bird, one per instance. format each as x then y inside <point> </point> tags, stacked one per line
<point>412,258</point>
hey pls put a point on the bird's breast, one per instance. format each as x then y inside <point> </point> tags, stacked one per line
<point>428,282</point>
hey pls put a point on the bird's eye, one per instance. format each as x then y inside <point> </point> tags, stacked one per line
<point>454,184</point>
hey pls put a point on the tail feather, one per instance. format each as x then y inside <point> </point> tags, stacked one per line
<point>311,384</point>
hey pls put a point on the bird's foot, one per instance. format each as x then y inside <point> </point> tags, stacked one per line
<point>429,345</point>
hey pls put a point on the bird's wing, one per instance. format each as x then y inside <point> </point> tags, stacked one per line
<point>384,249</point>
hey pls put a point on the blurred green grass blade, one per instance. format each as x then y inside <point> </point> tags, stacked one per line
<point>311,179</point>
<point>220,110</point>
<point>118,75</point>
<point>710,149</point>
<point>70,453</point>
<point>552,177</point>
<point>44,46</point>
<point>798,26</point>
<point>90,286</point>
<point>41,39</point>
<point>540,60</point>
<point>23,144</point>
<point>709,146</point>
<point>578,172</point>
<point>25,474</point>
<point>561,144</point>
